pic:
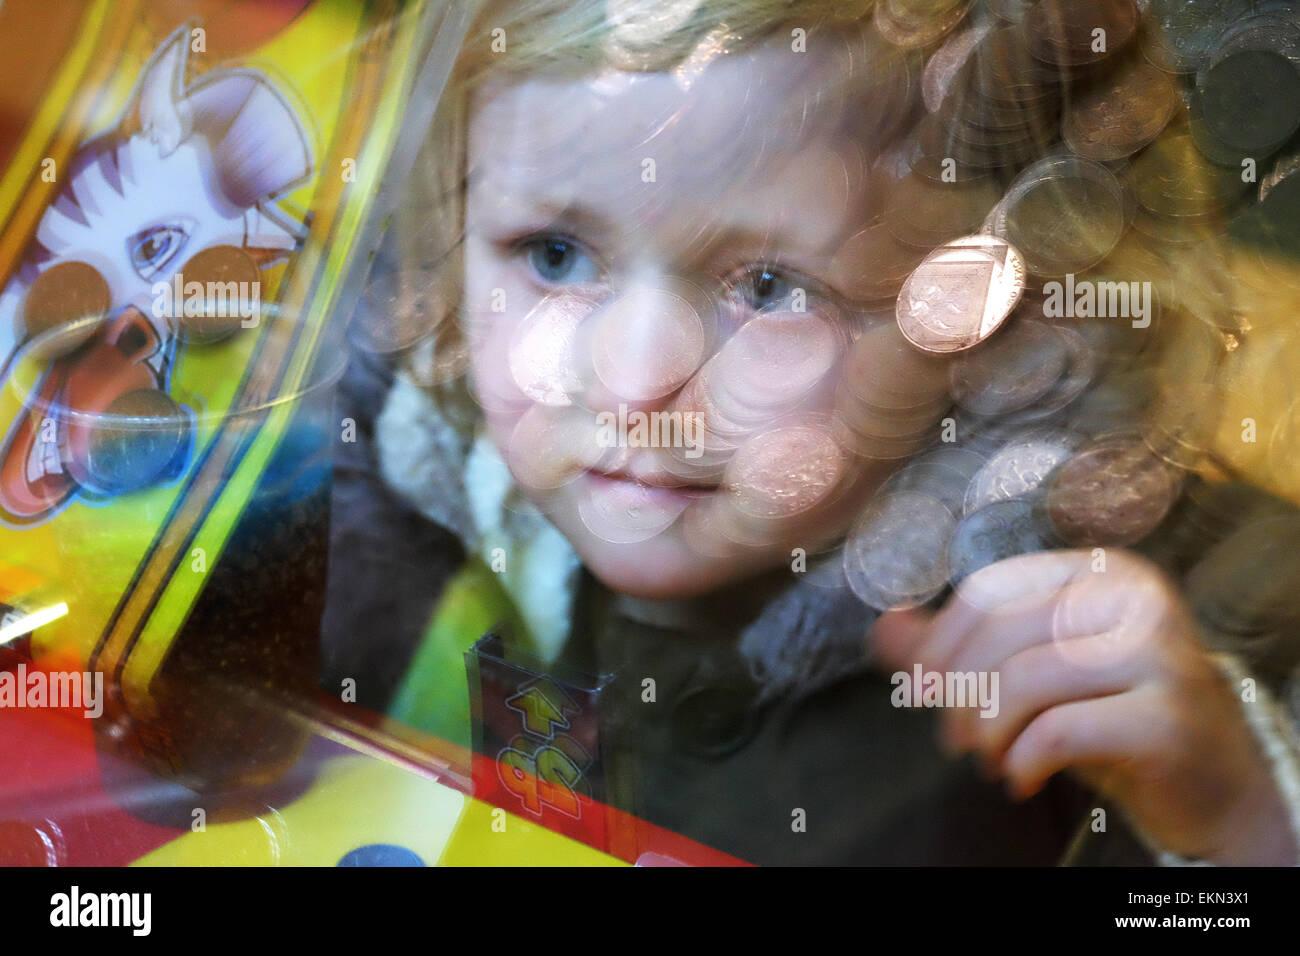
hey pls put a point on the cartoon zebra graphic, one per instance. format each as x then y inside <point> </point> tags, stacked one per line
<point>191,168</point>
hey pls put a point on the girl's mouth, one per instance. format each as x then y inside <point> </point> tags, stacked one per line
<point>641,488</point>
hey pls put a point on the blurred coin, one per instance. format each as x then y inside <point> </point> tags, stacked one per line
<point>879,447</point>
<point>1183,419</point>
<point>1180,233</point>
<point>1013,370</point>
<point>944,473</point>
<point>1211,147</point>
<point>942,69</point>
<point>1064,32</point>
<point>659,322</point>
<point>1248,94</point>
<point>1114,402</point>
<point>911,26</point>
<point>961,294</point>
<point>896,555</point>
<point>884,371</point>
<point>1066,214</point>
<point>941,169</point>
<point>550,447</point>
<point>873,264</point>
<point>231,282</point>
<point>1171,179</point>
<point>1121,112</point>
<point>1004,529</point>
<point>772,361</point>
<point>1080,369</point>
<point>785,472</point>
<point>1114,493</point>
<point>926,214</point>
<point>872,422</point>
<point>1003,70</point>
<point>64,307</point>
<point>1019,468</point>
<point>541,351</point>
<point>135,442</point>
<point>1185,31</point>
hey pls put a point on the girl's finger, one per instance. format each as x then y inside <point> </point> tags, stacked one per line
<point>997,593</point>
<point>1033,681</point>
<point>1093,733</point>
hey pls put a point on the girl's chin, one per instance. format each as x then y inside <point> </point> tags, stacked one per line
<point>661,568</point>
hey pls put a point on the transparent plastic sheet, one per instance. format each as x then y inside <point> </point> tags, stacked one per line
<point>674,346</point>
<point>169,428</point>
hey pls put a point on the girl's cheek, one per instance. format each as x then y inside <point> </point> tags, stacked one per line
<point>492,298</point>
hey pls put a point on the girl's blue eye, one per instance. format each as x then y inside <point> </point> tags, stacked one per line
<point>154,248</point>
<point>560,261</point>
<point>764,289</point>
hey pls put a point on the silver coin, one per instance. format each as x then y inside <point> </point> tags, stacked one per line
<point>896,555</point>
<point>1010,371</point>
<point>1020,468</point>
<point>944,473</point>
<point>1080,370</point>
<point>1004,529</point>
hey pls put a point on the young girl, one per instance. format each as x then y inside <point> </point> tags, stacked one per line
<point>654,384</point>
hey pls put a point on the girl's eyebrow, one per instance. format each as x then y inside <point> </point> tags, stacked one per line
<point>575,215</point>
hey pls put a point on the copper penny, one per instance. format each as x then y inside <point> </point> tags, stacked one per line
<point>227,277</point>
<point>1122,115</point>
<point>1065,32</point>
<point>785,472</point>
<point>1113,494</point>
<point>65,306</point>
<point>961,294</point>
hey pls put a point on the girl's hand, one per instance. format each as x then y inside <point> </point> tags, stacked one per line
<point>1100,671</point>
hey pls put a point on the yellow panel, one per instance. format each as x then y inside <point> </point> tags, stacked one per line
<point>355,802</point>
<point>476,843</point>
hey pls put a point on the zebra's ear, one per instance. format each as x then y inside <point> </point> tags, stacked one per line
<point>159,110</point>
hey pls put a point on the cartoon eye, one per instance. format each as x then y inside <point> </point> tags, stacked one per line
<point>153,249</point>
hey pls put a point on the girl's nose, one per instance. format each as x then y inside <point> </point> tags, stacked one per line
<point>642,347</point>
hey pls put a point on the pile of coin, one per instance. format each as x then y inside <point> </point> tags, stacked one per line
<point>890,397</point>
<point>914,24</point>
<point>999,106</point>
<point>1127,146</point>
<point>1246,102</point>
